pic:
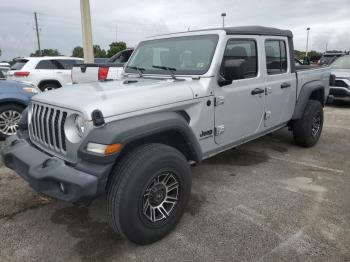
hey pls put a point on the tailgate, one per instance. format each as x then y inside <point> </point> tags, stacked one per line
<point>86,73</point>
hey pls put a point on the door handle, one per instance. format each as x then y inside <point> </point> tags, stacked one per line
<point>285,85</point>
<point>258,91</point>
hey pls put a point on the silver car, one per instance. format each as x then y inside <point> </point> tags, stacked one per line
<point>341,70</point>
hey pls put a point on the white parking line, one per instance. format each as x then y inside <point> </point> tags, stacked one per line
<point>338,171</point>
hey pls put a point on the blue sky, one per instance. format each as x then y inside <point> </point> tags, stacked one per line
<point>133,20</point>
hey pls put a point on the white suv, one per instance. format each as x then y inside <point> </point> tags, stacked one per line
<point>45,72</point>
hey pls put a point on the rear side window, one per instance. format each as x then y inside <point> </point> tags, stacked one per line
<point>276,56</point>
<point>46,64</point>
<point>66,64</point>
<point>19,64</point>
<point>121,57</point>
<point>242,50</point>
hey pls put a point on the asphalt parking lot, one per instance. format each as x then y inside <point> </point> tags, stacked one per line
<point>268,200</point>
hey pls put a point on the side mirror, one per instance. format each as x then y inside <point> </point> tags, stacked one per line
<point>233,69</point>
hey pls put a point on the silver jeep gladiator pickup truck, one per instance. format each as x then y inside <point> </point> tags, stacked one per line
<point>184,97</point>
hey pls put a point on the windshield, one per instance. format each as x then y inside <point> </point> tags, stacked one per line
<point>342,63</point>
<point>190,55</point>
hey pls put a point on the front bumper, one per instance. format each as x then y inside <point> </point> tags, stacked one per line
<point>52,176</point>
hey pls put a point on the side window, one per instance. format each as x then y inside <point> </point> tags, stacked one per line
<point>246,50</point>
<point>125,56</point>
<point>276,56</point>
<point>115,58</point>
<point>46,64</point>
<point>66,64</point>
<point>58,64</point>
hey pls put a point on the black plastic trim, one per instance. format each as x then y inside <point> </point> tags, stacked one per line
<point>131,129</point>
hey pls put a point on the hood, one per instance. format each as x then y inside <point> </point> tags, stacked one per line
<point>12,84</point>
<point>118,97</point>
<point>341,73</point>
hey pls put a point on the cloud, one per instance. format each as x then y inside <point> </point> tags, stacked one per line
<point>134,20</point>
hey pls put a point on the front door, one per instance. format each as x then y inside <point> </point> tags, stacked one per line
<point>239,107</point>
<point>280,82</point>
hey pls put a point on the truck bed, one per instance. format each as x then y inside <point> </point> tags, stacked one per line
<point>307,74</point>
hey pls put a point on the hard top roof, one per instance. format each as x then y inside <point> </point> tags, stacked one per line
<point>47,58</point>
<point>257,30</point>
<point>246,30</point>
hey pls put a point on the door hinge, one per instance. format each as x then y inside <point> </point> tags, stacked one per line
<point>219,100</point>
<point>219,130</point>
<point>268,90</point>
<point>267,115</point>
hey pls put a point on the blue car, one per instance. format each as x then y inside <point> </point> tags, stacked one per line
<point>14,97</point>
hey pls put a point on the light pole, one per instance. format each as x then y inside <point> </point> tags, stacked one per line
<point>223,15</point>
<point>307,41</point>
<point>87,32</point>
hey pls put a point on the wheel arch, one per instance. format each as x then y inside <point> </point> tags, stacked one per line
<point>169,128</point>
<point>13,102</point>
<point>314,90</point>
<point>47,81</point>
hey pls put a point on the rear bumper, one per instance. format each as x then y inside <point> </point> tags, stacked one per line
<point>52,176</point>
<point>339,92</point>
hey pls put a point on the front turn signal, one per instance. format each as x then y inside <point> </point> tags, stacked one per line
<point>103,149</point>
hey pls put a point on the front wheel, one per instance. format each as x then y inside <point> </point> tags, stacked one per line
<point>308,129</point>
<point>10,115</point>
<point>148,193</point>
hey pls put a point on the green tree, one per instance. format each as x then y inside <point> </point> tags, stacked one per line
<point>0,52</point>
<point>46,52</point>
<point>98,52</point>
<point>115,47</point>
<point>78,51</point>
<point>299,54</point>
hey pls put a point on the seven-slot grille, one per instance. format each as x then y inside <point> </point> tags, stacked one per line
<point>47,127</point>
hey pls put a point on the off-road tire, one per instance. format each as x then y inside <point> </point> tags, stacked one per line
<point>126,188</point>
<point>303,129</point>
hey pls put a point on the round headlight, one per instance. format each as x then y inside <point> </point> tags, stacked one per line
<point>74,128</point>
<point>79,124</point>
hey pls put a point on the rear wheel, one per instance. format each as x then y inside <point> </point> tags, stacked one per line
<point>10,115</point>
<point>308,129</point>
<point>148,192</point>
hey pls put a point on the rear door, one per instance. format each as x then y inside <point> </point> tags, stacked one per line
<point>44,70</point>
<point>63,70</point>
<point>280,82</point>
<point>239,107</point>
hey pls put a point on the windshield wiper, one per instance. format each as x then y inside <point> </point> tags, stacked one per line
<point>140,70</point>
<point>169,69</point>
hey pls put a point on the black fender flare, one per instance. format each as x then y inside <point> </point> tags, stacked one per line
<point>304,97</point>
<point>128,130</point>
<point>48,80</point>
